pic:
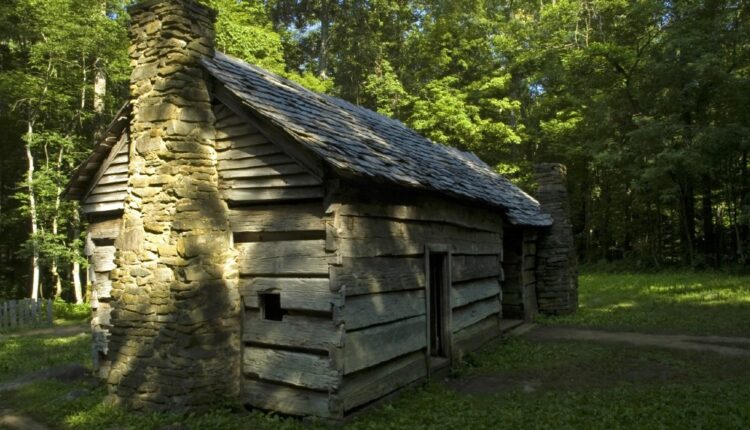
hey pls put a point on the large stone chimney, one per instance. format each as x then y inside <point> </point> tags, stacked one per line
<point>175,337</point>
<point>557,263</point>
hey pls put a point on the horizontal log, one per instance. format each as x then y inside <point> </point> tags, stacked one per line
<point>463,294</point>
<point>273,194</point>
<point>375,345</point>
<point>306,294</point>
<point>221,113</point>
<point>475,312</point>
<point>473,337</point>
<point>316,334</point>
<point>374,383</point>
<point>370,237</point>
<point>108,229</point>
<point>103,258</point>
<point>468,267</point>
<point>286,400</point>
<point>227,169</point>
<point>378,275</point>
<point>289,258</point>
<point>103,290</point>
<point>433,211</point>
<point>294,368</point>
<point>297,180</point>
<point>277,218</point>
<point>372,309</point>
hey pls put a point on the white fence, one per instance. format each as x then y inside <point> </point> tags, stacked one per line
<point>25,313</point>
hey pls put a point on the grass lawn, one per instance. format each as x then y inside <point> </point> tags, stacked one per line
<point>515,383</point>
<point>684,302</point>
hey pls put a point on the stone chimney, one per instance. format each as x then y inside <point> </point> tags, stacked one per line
<point>176,310</point>
<point>557,263</point>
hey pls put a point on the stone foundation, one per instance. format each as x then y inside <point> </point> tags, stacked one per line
<point>557,263</point>
<point>175,306</point>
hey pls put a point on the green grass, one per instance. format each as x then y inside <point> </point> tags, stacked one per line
<point>20,355</point>
<point>527,384</point>
<point>70,312</point>
<point>689,303</point>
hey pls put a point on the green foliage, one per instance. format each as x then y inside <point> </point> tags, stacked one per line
<point>71,311</point>
<point>699,303</point>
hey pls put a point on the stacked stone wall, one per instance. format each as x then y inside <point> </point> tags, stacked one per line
<point>175,306</point>
<point>557,267</point>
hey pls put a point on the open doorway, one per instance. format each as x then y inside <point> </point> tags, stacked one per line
<point>438,307</point>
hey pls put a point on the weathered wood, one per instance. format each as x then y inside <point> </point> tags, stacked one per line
<point>468,267</point>
<point>244,168</point>
<point>275,218</point>
<point>103,259</point>
<point>117,169</point>
<point>475,312</point>
<point>378,275</point>
<point>293,368</point>
<point>103,289</point>
<point>108,189</point>
<point>371,237</point>
<point>370,384</point>
<point>375,345</point>
<point>431,211</point>
<point>108,229</point>
<point>300,180</point>
<point>306,294</point>
<point>463,294</point>
<point>248,152</point>
<point>476,335</point>
<point>301,155</point>
<point>273,194</point>
<point>106,198</point>
<point>317,334</point>
<point>292,257</point>
<point>231,132</point>
<point>113,179</point>
<point>286,400</point>
<point>228,166</point>
<point>372,309</point>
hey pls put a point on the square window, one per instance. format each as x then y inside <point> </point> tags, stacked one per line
<point>270,305</point>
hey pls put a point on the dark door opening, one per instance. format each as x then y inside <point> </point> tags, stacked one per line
<point>438,290</point>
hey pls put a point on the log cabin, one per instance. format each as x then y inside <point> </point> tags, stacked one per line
<point>254,241</point>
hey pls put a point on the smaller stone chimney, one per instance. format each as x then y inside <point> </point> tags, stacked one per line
<point>557,262</point>
<point>175,307</point>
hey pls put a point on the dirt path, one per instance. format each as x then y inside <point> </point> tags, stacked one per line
<point>13,421</point>
<point>730,346</point>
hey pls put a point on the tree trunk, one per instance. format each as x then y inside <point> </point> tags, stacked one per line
<point>32,213</point>
<point>707,213</point>
<point>55,228</point>
<point>324,27</point>
<point>76,272</point>
<point>100,89</point>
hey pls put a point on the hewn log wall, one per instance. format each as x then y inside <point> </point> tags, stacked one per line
<point>381,244</point>
<point>100,251</point>
<point>278,223</point>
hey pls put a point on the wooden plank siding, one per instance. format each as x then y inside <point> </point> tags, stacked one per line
<point>253,169</point>
<point>381,275</point>
<point>276,214</point>
<point>109,186</point>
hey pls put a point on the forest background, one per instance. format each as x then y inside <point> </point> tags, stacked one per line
<point>646,102</point>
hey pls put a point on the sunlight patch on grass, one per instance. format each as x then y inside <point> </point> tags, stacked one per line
<point>20,355</point>
<point>699,303</point>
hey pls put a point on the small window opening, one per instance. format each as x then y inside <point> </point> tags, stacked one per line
<point>270,305</point>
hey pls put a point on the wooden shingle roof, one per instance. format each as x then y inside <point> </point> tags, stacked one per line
<point>358,142</point>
